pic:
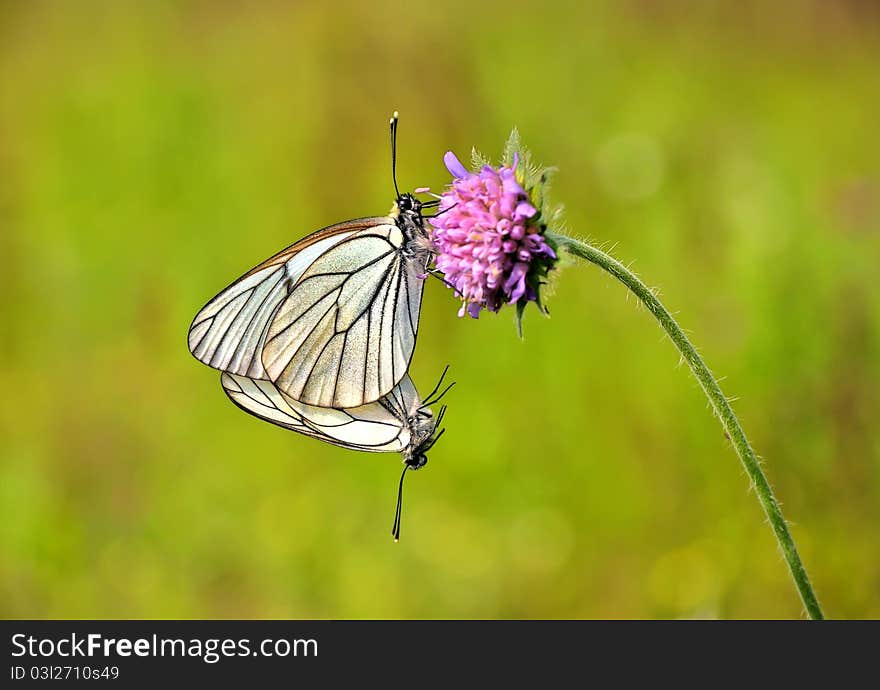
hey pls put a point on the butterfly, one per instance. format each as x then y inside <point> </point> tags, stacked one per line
<point>399,422</point>
<point>319,337</point>
<point>332,319</point>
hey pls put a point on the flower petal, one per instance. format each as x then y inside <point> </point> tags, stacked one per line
<point>524,210</point>
<point>454,166</point>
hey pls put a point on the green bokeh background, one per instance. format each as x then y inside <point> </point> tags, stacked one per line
<point>151,152</point>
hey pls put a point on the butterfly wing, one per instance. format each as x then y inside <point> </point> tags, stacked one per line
<point>344,335</point>
<point>376,427</point>
<point>229,332</point>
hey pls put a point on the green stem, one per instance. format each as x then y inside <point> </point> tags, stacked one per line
<point>719,405</point>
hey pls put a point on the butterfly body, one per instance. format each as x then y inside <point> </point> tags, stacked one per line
<point>407,215</point>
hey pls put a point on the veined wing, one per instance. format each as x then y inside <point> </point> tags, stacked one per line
<point>377,427</point>
<point>345,334</point>
<point>229,332</point>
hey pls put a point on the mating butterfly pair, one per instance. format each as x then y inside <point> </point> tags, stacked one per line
<point>319,338</point>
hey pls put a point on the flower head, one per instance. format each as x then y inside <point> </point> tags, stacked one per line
<point>489,238</point>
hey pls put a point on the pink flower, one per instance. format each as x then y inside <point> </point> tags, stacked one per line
<point>489,244</point>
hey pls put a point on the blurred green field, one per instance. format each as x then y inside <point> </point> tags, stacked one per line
<point>150,153</point>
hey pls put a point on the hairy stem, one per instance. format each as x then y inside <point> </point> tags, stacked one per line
<point>719,404</point>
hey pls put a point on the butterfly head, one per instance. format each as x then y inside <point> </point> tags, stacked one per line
<point>407,212</point>
<point>417,461</point>
<point>408,204</point>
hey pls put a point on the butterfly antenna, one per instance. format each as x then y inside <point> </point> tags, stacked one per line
<point>394,152</point>
<point>395,529</point>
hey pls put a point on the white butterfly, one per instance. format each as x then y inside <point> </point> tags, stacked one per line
<point>399,422</point>
<point>331,320</point>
